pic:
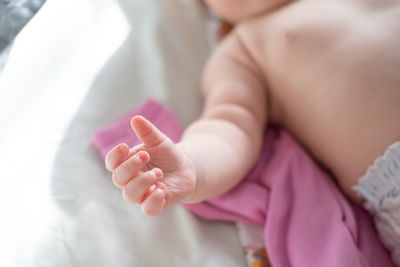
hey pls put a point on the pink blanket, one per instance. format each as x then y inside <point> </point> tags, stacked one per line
<point>307,220</point>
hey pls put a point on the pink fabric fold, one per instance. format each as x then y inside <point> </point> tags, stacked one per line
<point>120,130</point>
<point>307,220</point>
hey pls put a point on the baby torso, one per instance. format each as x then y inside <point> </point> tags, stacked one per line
<point>333,75</point>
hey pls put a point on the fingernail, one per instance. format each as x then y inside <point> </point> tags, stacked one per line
<point>157,172</point>
<point>142,156</point>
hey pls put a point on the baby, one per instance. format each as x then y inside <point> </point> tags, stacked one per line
<point>327,71</point>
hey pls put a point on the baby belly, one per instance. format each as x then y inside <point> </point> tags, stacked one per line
<point>333,80</point>
<point>345,133</point>
<point>335,84</point>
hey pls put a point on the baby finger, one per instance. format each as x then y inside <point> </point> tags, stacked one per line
<point>116,156</point>
<point>155,202</point>
<point>141,186</point>
<point>130,168</point>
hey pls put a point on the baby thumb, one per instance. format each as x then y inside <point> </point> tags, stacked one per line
<point>146,131</point>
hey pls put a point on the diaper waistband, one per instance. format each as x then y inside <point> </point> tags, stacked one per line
<point>382,179</point>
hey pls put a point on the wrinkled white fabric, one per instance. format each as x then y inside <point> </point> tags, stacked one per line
<point>59,205</point>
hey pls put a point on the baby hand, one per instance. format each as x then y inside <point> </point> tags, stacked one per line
<point>154,174</point>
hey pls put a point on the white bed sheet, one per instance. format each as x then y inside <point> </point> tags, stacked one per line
<point>77,66</point>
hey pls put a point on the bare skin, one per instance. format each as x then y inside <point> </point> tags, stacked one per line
<point>328,71</point>
<point>333,73</point>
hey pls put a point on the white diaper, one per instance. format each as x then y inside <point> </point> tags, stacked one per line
<point>380,186</point>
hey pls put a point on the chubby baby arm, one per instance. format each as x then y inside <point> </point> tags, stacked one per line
<point>215,152</point>
<point>235,11</point>
<point>225,142</point>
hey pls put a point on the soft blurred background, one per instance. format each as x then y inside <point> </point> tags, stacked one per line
<point>49,70</point>
<point>74,67</point>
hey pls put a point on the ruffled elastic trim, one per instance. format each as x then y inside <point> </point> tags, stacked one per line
<point>382,179</point>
